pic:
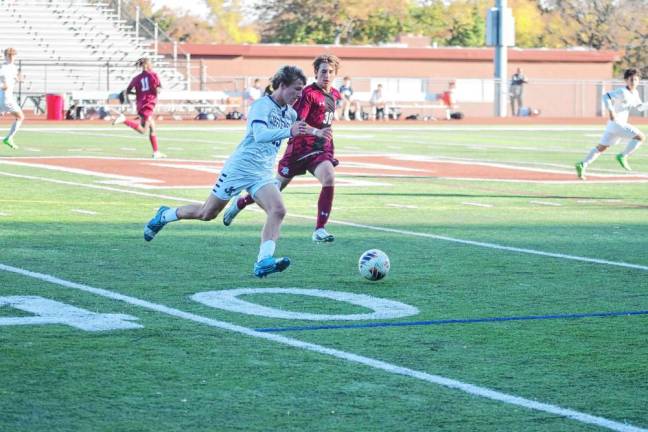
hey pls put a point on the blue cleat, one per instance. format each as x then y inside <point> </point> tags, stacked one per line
<point>155,225</point>
<point>270,265</point>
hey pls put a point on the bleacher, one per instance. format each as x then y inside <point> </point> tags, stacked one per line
<point>68,46</point>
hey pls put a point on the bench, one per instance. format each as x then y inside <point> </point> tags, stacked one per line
<point>395,105</point>
<point>173,102</point>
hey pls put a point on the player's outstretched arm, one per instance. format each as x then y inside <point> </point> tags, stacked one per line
<point>326,133</point>
<point>263,133</point>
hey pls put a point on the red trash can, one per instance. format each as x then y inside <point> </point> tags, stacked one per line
<point>55,108</point>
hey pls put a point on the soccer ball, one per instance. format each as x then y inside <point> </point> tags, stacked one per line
<point>373,264</point>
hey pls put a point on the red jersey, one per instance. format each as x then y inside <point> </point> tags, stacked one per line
<point>317,108</point>
<point>145,85</point>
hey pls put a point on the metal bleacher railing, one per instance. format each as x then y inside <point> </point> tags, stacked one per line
<point>75,45</point>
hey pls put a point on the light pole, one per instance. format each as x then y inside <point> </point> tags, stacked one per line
<point>500,33</point>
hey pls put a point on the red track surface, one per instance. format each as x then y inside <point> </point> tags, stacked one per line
<point>173,173</point>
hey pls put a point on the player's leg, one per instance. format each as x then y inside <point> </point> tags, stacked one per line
<point>269,199</point>
<point>205,212</point>
<point>637,138</point>
<point>133,124</point>
<point>346,105</point>
<point>358,110</point>
<point>609,138</point>
<point>17,113</point>
<point>241,202</point>
<point>150,126</point>
<point>325,173</point>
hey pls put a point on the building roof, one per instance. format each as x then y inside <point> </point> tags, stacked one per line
<point>392,53</point>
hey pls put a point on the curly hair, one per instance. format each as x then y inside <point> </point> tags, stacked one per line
<point>287,75</point>
<point>331,59</point>
<point>630,73</point>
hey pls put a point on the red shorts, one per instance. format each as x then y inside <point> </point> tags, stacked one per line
<point>145,113</point>
<point>292,164</point>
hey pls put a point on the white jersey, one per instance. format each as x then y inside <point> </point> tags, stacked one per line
<point>620,101</point>
<point>257,158</point>
<point>8,77</point>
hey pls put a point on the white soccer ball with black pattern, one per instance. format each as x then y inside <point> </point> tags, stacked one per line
<point>374,264</point>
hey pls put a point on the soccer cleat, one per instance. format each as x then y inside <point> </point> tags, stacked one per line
<point>231,211</point>
<point>159,155</point>
<point>321,236</point>
<point>270,265</point>
<point>119,119</point>
<point>155,225</point>
<point>9,142</point>
<point>623,161</point>
<point>580,170</point>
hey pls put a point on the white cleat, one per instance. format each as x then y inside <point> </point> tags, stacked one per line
<point>321,236</point>
<point>159,155</point>
<point>119,119</point>
<point>231,211</point>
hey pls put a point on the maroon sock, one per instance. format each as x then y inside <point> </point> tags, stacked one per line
<point>324,205</point>
<point>153,139</point>
<point>132,124</point>
<point>243,202</point>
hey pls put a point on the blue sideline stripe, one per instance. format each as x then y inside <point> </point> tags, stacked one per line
<point>456,321</point>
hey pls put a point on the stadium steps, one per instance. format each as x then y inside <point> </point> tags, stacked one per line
<point>65,45</point>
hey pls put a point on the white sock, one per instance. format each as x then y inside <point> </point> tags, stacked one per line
<point>591,156</point>
<point>14,129</point>
<point>170,215</point>
<point>631,147</point>
<point>267,249</point>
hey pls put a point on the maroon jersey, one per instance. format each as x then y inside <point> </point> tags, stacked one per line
<point>317,108</point>
<point>145,85</point>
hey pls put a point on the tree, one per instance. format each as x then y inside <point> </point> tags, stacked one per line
<point>530,25</point>
<point>330,21</point>
<point>228,26</point>
<point>605,24</point>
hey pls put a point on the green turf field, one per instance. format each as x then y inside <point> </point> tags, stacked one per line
<point>532,297</point>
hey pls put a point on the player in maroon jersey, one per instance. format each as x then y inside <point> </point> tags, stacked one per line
<point>146,86</point>
<point>309,153</point>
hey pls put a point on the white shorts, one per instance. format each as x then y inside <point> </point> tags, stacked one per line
<point>8,105</point>
<point>231,183</point>
<point>615,131</point>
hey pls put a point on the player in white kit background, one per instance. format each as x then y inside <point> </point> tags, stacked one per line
<point>251,167</point>
<point>8,77</point>
<point>618,102</point>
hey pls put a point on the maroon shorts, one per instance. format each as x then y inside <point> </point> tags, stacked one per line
<point>292,164</point>
<point>145,113</point>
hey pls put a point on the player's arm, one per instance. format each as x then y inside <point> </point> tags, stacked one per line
<point>608,102</point>
<point>131,87</point>
<point>326,133</point>
<point>157,85</point>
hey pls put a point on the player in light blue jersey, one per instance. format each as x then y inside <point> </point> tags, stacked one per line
<point>251,167</point>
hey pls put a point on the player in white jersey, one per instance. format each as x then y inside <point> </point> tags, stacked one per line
<point>271,120</point>
<point>8,77</point>
<point>618,102</point>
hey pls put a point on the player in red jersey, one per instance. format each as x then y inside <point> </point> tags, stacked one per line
<point>146,86</point>
<point>310,153</point>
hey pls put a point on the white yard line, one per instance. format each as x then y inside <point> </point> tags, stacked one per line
<point>356,225</point>
<point>403,206</point>
<point>474,204</point>
<point>546,203</point>
<point>85,212</point>
<point>351,357</point>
